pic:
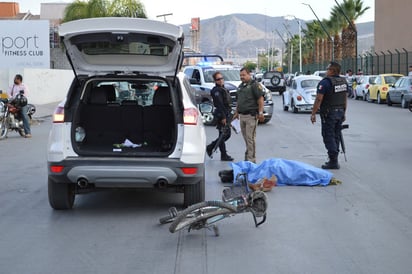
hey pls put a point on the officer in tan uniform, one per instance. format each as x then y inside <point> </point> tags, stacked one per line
<point>249,110</point>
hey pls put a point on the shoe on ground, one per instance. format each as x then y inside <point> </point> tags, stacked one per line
<point>331,165</point>
<point>27,136</point>
<point>226,158</point>
<point>209,150</point>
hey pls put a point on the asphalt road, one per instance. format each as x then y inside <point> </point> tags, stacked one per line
<point>363,225</point>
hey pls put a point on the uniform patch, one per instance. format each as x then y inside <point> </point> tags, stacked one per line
<point>320,87</point>
<point>341,88</point>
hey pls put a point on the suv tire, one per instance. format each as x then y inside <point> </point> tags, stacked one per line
<point>61,195</point>
<point>275,80</point>
<point>194,193</point>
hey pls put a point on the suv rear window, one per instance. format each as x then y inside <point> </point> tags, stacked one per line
<point>270,74</point>
<point>128,44</point>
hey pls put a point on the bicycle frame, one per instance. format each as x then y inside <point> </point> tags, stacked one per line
<point>235,200</point>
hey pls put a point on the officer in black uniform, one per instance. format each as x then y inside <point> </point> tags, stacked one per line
<point>331,100</point>
<point>223,115</point>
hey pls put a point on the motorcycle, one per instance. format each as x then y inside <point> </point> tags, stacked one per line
<point>11,118</point>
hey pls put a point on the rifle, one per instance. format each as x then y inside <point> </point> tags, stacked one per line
<point>342,143</point>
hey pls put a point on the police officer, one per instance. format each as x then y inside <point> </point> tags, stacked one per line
<point>331,100</point>
<point>222,114</point>
<point>249,109</point>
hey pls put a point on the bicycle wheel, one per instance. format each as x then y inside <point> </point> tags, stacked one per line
<point>201,215</point>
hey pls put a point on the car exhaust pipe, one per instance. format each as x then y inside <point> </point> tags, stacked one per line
<point>82,182</point>
<point>162,182</point>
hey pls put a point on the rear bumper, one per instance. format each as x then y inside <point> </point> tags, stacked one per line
<point>125,172</point>
<point>276,89</point>
<point>304,107</point>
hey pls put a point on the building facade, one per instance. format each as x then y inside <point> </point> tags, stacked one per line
<point>392,30</point>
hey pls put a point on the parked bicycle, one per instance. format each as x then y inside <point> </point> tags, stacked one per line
<point>235,200</point>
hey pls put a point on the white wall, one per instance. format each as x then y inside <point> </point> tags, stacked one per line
<point>45,85</point>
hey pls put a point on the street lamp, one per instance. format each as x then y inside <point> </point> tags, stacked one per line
<point>300,39</point>
<point>324,30</point>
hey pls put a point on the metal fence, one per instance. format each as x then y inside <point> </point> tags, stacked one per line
<point>396,61</point>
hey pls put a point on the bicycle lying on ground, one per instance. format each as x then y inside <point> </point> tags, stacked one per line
<point>236,199</point>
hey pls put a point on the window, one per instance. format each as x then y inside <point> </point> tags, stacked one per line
<point>128,44</point>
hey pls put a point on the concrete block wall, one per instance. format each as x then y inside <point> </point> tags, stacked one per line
<point>45,85</point>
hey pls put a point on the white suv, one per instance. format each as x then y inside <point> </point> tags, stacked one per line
<point>274,81</point>
<point>129,119</point>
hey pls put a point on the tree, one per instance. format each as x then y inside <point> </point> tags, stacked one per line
<point>349,10</point>
<point>251,66</point>
<point>315,35</point>
<point>104,8</point>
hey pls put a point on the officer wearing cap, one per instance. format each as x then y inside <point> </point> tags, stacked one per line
<point>331,100</point>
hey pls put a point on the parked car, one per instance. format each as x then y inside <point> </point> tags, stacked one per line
<point>321,73</point>
<point>301,94</point>
<point>399,92</point>
<point>377,92</point>
<point>362,86</point>
<point>99,140</point>
<point>274,81</point>
<point>259,77</point>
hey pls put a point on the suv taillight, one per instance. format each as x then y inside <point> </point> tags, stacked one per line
<point>58,115</point>
<point>190,116</point>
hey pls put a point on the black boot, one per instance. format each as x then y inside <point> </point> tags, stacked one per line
<point>226,157</point>
<point>331,164</point>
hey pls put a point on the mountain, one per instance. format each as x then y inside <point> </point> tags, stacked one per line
<point>243,35</point>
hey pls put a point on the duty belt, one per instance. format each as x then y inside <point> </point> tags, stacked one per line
<point>253,112</point>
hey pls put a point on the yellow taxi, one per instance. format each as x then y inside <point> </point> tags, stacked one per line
<point>377,92</point>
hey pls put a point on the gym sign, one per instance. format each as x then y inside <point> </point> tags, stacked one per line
<point>24,44</point>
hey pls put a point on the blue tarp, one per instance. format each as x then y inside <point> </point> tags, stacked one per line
<point>288,172</point>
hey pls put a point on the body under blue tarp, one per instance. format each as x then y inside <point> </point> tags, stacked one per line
<point>288,172</point>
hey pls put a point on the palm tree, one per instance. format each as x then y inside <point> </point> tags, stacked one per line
<point>335,26</point>
<point>103,8</point>
<point>310,43</point>
<point>316,34</point>
<point>347,13</point>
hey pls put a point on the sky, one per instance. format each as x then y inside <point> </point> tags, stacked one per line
<point>184,10</point>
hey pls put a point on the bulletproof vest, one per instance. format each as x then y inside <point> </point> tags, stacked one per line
<point>227,100</point>
<point>336,98</point>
